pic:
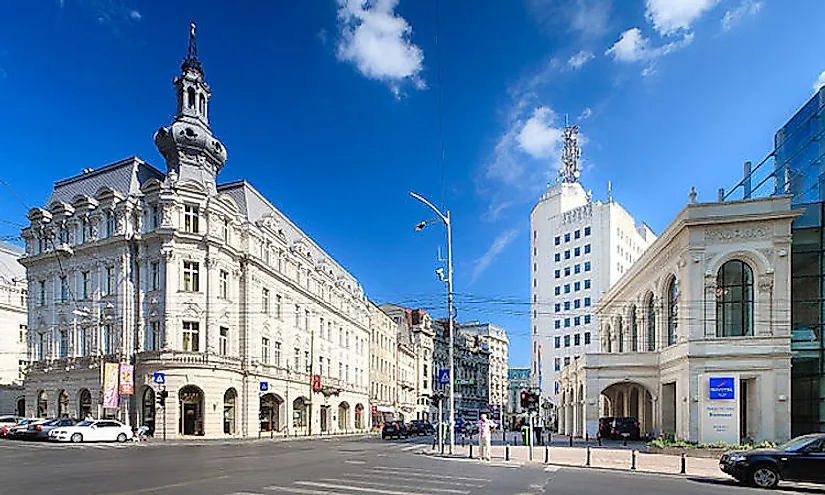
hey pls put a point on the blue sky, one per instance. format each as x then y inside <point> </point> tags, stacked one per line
<point>331,109</point>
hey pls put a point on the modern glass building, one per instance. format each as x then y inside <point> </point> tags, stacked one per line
<point>799,151</point>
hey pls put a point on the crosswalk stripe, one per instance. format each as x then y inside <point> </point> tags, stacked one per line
<point>301,491</point>
<point>359,489</point>
<point>394,476</point>
<point>395,485</point>
<point>427,474</point>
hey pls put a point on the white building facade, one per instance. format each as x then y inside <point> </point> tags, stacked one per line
<point>383,367</point>
<point>495,337</point>
<point>208,284</point>
<point>579,248</point>
<point>695,338</point>
<point>415,333</point>
<point>13,329</point>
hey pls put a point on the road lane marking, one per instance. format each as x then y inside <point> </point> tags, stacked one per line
<point>354,462</point>
<point>302,491</point>
<point>394,476</point>
<point>551,469</point>
<point>359,489</point>
<point>392,485</point>
<point>173,485</point>
<point>427,474</point>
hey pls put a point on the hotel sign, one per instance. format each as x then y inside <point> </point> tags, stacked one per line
<point>719,408</point>
<point>722,388</point>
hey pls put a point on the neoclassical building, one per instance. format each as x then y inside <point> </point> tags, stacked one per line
<point>254,327</point>
<point>695,337</point>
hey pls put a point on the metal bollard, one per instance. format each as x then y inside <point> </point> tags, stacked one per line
<point>625,441</point>
<point>442,448</point>
<point>434,443</point>
<point>586,437</point>
<point>600,440</point>
<point>507,452</point>
<point>471,450</point>
<point>549,437</point>
<point>571,440</point>
<point>546,454</point>
<point>633,461</point>
<point>684,465</point>
<point>588,457</point>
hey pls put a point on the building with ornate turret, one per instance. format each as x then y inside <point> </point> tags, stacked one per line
<point>204,286</point>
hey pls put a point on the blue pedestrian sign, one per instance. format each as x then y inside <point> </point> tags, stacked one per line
<point>264,386</point>
<point>159,378</point>
<point>444,376</point>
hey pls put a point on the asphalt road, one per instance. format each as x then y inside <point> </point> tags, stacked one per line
<point>310,467</point>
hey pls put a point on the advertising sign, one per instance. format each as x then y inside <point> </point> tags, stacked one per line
<point>127,379</point>
<point>110,376</point>
<point>316,383</point>
<point>719,409</point>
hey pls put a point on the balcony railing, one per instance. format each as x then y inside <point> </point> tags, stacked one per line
<point>193,359</point>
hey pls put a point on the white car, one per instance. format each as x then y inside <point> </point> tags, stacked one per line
<point>9,421</point>
<point>104,430</point>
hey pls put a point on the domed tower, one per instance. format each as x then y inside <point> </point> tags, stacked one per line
<point>190,149</point>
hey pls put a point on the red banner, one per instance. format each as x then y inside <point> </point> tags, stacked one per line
<point>316,383</point>
<point>127,379</point>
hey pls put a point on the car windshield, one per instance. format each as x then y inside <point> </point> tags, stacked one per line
<point>85,423</point>
<point>50,422</point>
<point>797,443</point>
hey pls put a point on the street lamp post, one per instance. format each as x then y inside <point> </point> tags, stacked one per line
<point>445,219</point>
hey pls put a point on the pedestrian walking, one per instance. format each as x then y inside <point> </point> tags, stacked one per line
<point>484,437</point>
<point>538,429</point>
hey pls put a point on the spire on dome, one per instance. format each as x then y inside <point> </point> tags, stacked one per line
<point>191,61</point>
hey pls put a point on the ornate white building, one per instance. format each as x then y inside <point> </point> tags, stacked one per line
<point>383,365</point>
<point>206,283</point>
<point>415,334</point>
<point>498,344</point>
<point>695,337</point>
<point>13,329</point>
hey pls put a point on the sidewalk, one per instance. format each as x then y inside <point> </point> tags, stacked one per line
<point>602,457</point>
<point>265,437</point>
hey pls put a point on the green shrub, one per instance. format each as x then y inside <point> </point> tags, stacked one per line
<point>669,442</point>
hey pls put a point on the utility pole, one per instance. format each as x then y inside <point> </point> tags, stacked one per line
<point>311,374</point>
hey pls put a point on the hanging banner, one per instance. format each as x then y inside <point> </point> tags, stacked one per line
<point>110,376</point>
<point>127,379</point>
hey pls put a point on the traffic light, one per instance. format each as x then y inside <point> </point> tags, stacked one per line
<point>533,401</point>
<point>525,399</point>
<point>162,395</point>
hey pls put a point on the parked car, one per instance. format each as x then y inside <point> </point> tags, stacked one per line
<point>800,459</point>
<point>40,431</point>
<point>626,427</point>
<point>421,427</point>
<point>606,427</point>
<point>15,432</point>
<point>7,422</point>
<point>105,430</point>
<point>394,429</point>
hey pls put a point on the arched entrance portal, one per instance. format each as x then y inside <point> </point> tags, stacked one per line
<point>190,399</point>
<point>62,404</point>
<point>42,404</point>
<point>148,410</point>
<point>343,416</point>
<point>84,404</point>
<point>271,412</point>
<point>21,406</point>
<point>229,400</point>
<point>629,400</point>
<point>299,413</point>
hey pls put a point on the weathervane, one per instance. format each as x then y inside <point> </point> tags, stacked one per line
<point>570,153</point>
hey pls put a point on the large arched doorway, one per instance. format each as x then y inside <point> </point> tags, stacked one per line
<point>359,416</point>
<point>21,406</point>
<point>42,404</point>
<point>299,413</point>
<point>271,412</point>
<point>62,404</point>
<point>229,400</point>
<point>148,410</point>
<point>84,404</point>
<point>630,400</point>
<point>343,416</point>
<point>190,399</point>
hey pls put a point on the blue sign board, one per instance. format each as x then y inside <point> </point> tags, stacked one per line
<point>264,386</point>
<point>444,376</point>
<point>159,378</point>
<point>722,388</point>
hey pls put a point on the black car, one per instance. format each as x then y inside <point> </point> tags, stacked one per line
<point>606,427</point>
<point>394,429</point>
<point>421,427</point>
<point>626,427</point>
<point>801,459</point>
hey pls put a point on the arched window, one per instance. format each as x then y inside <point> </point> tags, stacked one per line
<point>734,300</point>
<point>672,310</point>
<point>651,323</point>
<point>609,339</point>
<point>620,332</point>
<point>202,105</point>
<point>229,399</point>
<point>634,330</point>
<point>190,98</point>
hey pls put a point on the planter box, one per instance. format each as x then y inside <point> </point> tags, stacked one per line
<point>689,451</point>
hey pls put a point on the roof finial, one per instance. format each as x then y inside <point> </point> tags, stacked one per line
<point>191,61</point>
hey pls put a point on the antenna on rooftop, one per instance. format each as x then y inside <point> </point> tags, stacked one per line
<point>570,153</point>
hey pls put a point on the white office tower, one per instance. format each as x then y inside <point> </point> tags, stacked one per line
<point>579,248</point>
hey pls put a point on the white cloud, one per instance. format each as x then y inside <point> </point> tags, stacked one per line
<point>377,42</point>
<point>672,16</point>
<point>579,59</point>
<point>633,46</point>
<point>586,113</point>
<point>539,138</point>
<point>499,244</point>
<point>734,16</point>
<point>135,15</point>
<point>588,20</point>
<point>820,81</point>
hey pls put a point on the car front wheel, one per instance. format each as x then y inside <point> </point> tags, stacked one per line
<point>77,438</point>
<point>764,477</point>
<point>121,438</point>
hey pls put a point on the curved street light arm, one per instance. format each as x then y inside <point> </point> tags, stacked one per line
<point>444,218</point>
